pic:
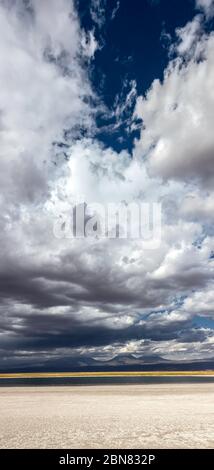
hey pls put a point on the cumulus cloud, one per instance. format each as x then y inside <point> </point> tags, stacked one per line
<point>188,37</point>
<point>201,302</point>
<point>196,206</point>
<point>207,6</point>
<point>43,92</point>
<point>177,138</point>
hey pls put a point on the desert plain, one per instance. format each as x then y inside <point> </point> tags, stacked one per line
<point>178,415</point>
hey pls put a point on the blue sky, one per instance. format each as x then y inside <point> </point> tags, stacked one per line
<point>105,101</point>
<point>134,47</point>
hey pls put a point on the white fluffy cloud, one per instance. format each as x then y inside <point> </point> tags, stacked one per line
<point>201,303</point>
<point>177,139</point>
<point>196,206</point>
<point>207,6</point>
<point>42,91</point>
<point>188,37</point>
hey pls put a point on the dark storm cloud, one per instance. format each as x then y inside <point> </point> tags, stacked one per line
<point>29,338</point>
<point>84,279</point>
<point>33,331</point>
<point>87,274</point>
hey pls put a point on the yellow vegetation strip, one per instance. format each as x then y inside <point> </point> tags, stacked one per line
<point>38,375</point>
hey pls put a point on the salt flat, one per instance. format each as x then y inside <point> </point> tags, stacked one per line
<point>119,416</point>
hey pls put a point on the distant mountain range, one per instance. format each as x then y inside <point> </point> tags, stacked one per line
<point>122,362</point>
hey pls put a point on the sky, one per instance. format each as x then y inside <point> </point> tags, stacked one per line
<point>105,101</point>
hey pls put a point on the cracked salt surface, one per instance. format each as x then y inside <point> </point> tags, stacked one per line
<point>118,416</point>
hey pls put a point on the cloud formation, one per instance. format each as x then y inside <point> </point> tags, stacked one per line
<point>44,91</point>
<point>97,298</point>
<point>177,138</point>
<point>207,6</point>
